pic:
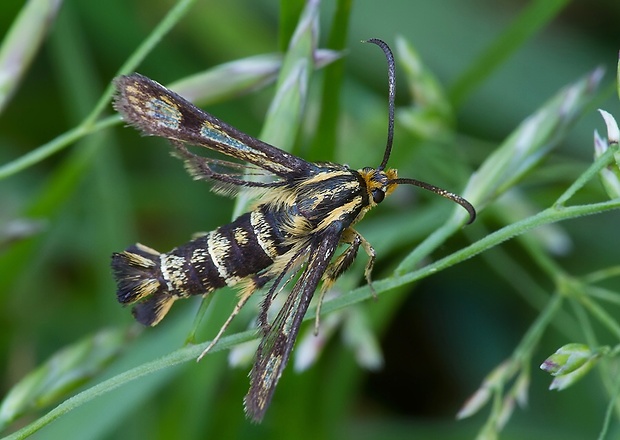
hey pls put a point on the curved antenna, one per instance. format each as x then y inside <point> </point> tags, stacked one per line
<point>390,138</point>
<point>391,94</point>
<point>442,192</point>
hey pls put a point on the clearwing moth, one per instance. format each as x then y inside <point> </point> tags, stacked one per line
<point>304,212</point>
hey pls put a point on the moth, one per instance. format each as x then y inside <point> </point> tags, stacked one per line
<point>304,212</point>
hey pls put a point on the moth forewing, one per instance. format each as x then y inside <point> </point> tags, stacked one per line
<point>157,111</point>
<point>279,337</point>
<point>304,211</point>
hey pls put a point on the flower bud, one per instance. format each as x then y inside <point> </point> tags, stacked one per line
<point>570,363</point>
<point>610,175</point>
<point>567,359</point>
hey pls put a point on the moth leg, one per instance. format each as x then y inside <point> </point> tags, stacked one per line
<point>372,256</point>
<point>342,263</point>
<point>251,286</point>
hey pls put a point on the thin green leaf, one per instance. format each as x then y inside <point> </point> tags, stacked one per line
<point>22,42</point>
<point>65,371</point>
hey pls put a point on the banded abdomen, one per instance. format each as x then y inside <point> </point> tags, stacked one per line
<point>225,256</point>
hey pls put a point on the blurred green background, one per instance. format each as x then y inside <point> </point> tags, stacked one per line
<point>439,337</point>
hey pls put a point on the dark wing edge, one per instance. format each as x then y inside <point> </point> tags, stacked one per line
<point>277,344</point>
<point>157,111</point>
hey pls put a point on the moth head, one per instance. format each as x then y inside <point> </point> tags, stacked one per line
<point>381,183</point>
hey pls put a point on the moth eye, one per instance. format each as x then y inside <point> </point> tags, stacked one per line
<point>378,195</point>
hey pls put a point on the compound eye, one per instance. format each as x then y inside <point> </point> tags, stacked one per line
<point>378,195</point>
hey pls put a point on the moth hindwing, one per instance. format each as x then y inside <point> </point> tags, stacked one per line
<point>304,212</point>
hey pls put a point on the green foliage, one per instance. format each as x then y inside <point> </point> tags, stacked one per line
<point>484,110</point>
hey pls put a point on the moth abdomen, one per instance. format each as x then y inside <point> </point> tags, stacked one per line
<point>233,252</point>
<point>138,275</point>
<point>136,272</point>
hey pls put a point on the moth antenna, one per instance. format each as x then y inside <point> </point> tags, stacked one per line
<point>391,96</point>
<point>442,192</point>
<point>390,137</point>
